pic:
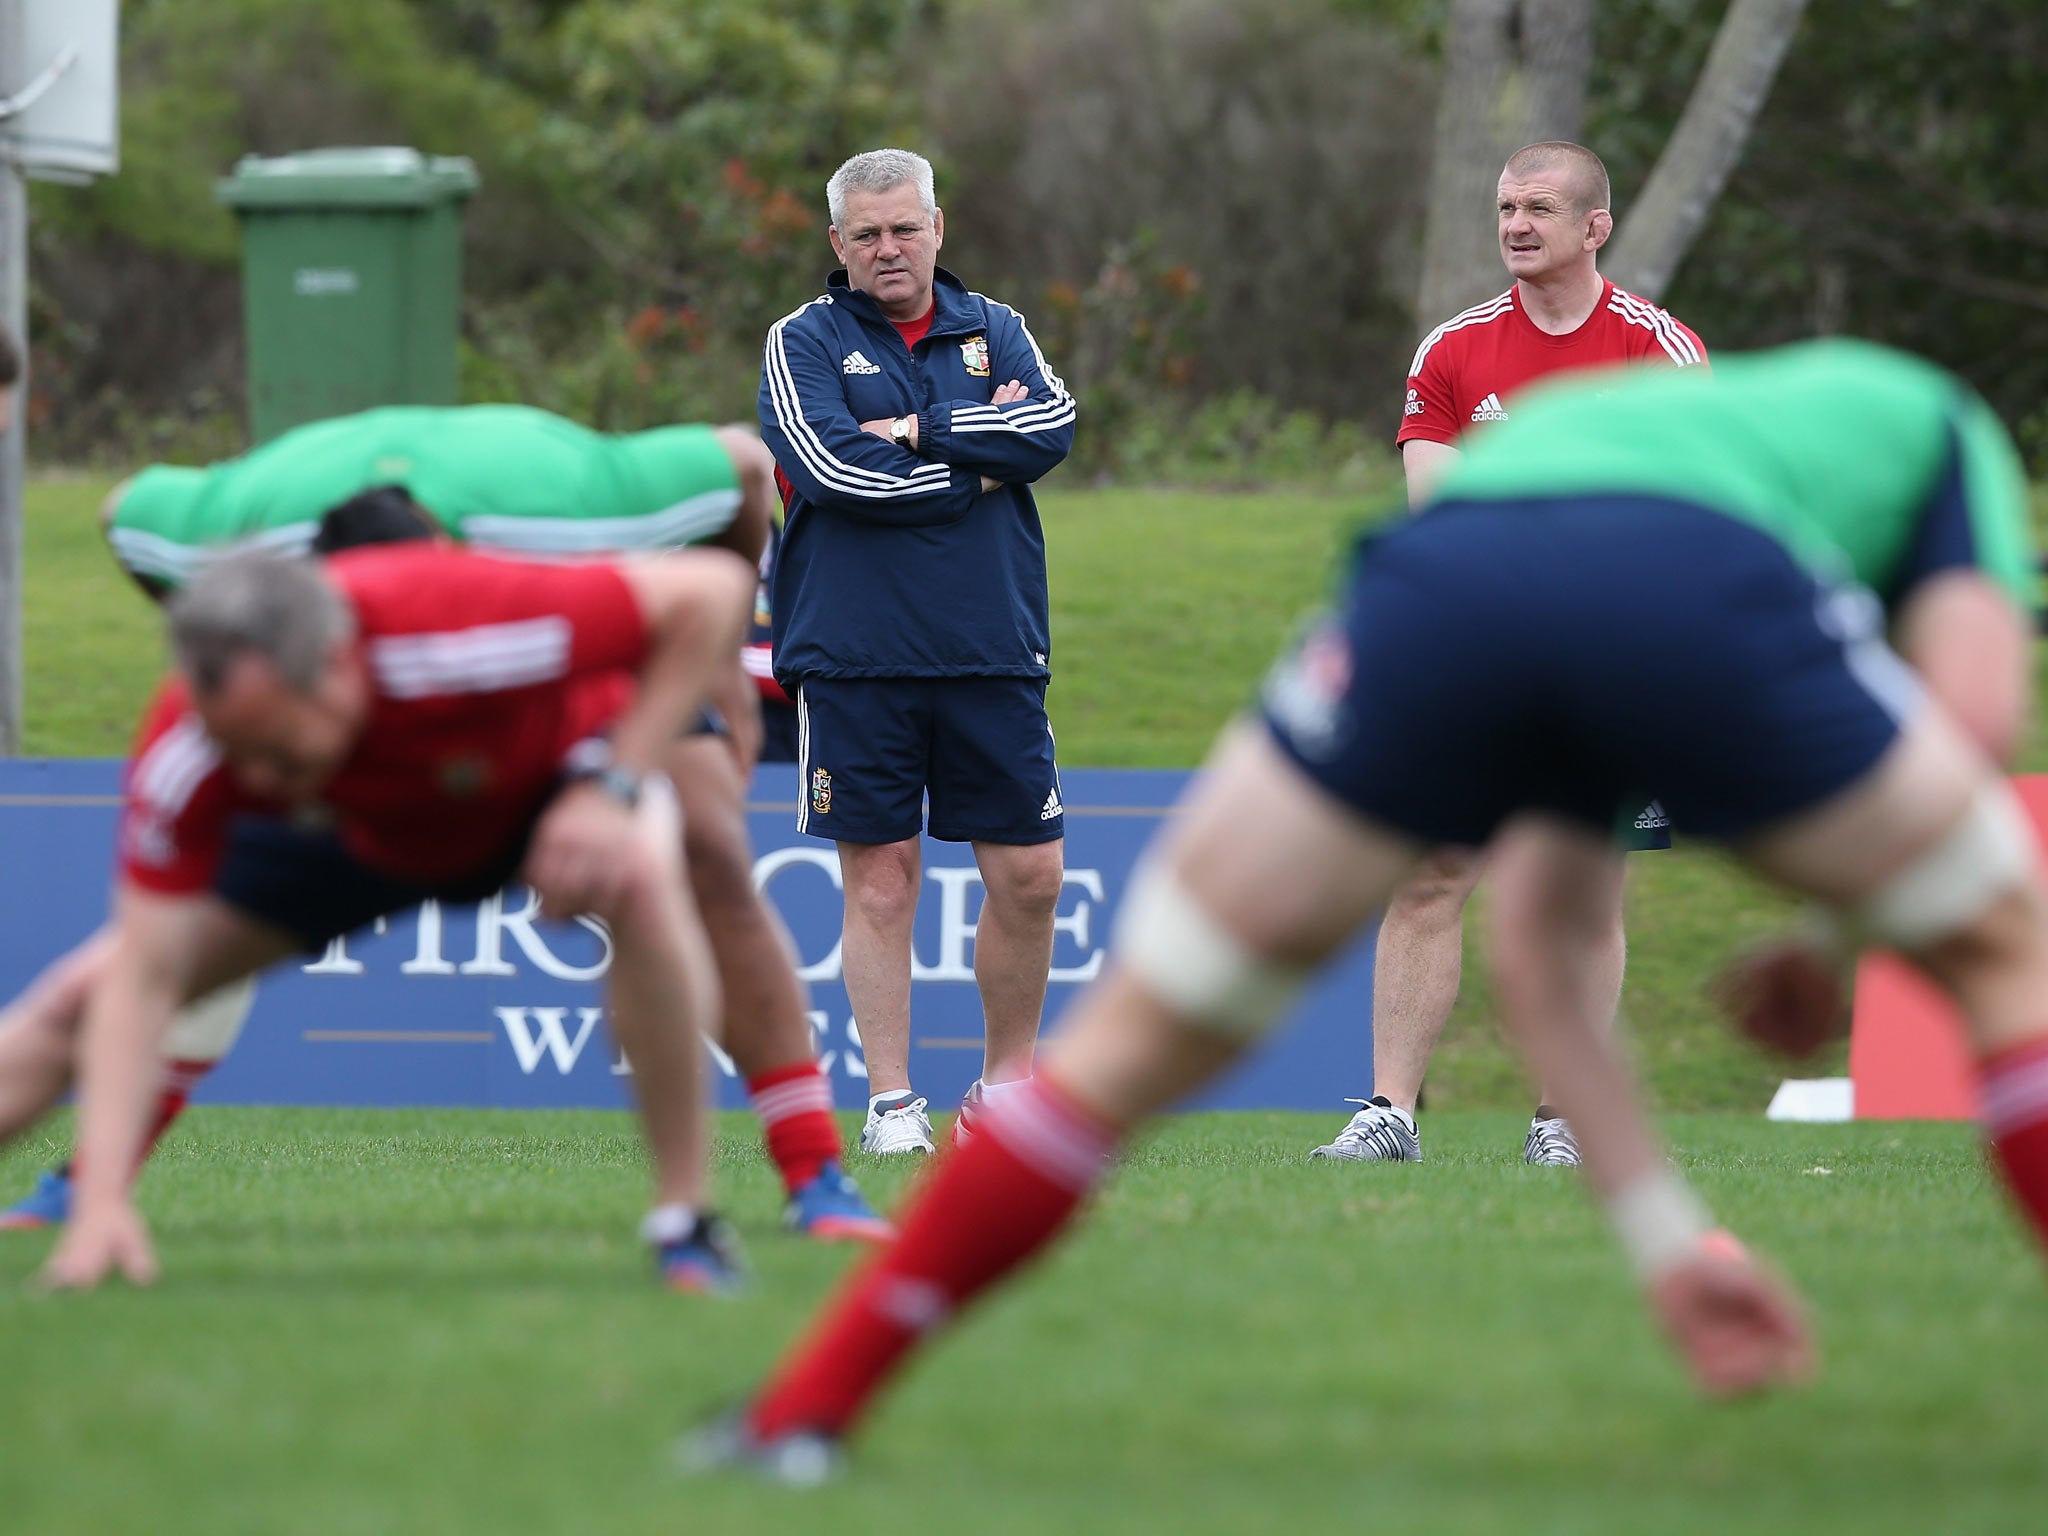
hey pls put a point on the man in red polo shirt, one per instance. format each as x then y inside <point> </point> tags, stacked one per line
<point>345,740</point>
<point>1560,314</point>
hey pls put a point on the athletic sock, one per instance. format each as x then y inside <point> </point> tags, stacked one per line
<point>2015,1092</point>
<point>979,1099</point>
<point>182,1075</point>
<point>795,1106</point>
<point>989,1206</point>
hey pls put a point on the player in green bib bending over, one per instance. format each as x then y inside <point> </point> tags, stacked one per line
<point>503,477</point>
<point>507,478</point>
<point>1655,580</point>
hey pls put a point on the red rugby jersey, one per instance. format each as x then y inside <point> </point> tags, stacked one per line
<point>1470,366</point>
<point>483,673</point>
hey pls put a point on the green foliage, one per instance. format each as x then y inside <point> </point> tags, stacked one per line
<point>440,1322</point>
<point>1188,198</point>
<point>1185,226</point>
<point>1890,190</point>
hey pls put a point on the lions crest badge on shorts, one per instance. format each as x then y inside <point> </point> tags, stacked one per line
<point>821,791</point>
<point>974,353</point>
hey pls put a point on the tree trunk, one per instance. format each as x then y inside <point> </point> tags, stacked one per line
<point>1705,146</point>
<point>1514,73</point>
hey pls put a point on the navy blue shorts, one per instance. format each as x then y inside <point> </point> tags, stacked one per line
<point>871,749</point>
<point>1562,654</point>
<point>304,881</point>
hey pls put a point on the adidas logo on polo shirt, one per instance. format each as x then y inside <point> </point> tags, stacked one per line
<point>855,363</point>
<point>1052,805</point>
<point>1489,409</point>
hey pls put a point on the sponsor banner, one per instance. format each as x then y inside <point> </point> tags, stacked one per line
<point>487,1005</point>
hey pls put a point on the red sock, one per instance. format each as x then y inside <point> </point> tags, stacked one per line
<point>795,1106</point>
<point>181,1076</point>
<point>2015,1090</point>
<point>987,1207</point>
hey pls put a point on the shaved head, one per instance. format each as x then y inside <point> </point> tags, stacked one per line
<point>1580,167</point>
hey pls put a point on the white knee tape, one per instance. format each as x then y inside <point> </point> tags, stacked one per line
<point>207,1030</point>
<point>1987,853</point>
<point>1187,959</point>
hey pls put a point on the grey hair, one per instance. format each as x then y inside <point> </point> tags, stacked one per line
<point>257,604</point>
<point>879,170</point>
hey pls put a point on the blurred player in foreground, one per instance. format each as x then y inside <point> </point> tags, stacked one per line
<point>511,478</point>
<point>1653,578</point>
<point>344,739</point>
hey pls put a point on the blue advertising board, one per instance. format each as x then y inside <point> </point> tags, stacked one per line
<point>486,1005</point>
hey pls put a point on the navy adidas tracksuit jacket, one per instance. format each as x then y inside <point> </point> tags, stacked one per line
<point>896,564</point>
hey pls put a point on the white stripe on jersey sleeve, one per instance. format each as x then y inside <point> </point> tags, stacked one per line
<point>1039,416</point>
<point>1671,336</point>
<point>488,658</point>
<point>173,766</point>
<point>1478,314</point>
<point>672,527</point>
<point>827,468</point>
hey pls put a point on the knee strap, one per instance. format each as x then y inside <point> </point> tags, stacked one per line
<point>207,1029</point>
<point>1166,939</point>
<point>1987,853</point>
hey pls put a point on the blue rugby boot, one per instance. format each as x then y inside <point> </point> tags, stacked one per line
<point>47,1205</point>
<point>704,1261</point>
<point>832,1209</point>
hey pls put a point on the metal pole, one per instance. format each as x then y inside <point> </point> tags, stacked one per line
<point>14,315</point>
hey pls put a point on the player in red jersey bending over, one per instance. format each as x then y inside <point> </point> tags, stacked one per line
<point>343,741</point>
<point>1559,315</point>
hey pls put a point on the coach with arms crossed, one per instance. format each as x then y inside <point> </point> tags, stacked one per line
<point>1560,314</point>
<point>909,418</point>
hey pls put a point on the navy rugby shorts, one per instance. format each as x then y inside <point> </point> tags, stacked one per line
<point>305,881</point>
<point>872,750</point>
<point>1564,653</point>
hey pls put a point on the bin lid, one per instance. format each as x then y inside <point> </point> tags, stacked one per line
<point>390,177</point>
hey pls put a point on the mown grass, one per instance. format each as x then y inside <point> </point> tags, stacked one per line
<point>407,1321</point>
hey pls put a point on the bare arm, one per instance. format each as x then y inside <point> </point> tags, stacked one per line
<point>747,534</point>
<point>1974,650</point>
<point>130,1007</point>
<point>1425,463</point>
<point>696,605</point>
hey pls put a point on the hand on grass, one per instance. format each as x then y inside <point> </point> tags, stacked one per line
<point>1738,1328</point>
<point>96,1244</point>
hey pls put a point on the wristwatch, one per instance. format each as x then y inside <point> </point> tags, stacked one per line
<point>590,761</point>
<point>899,433</point>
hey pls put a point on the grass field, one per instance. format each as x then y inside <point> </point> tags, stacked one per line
<point>399,1321</point>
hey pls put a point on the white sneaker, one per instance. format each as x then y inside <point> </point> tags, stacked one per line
<point>1551,1144</point>
<point>1378,1133</point>
<point>899,1128</point>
